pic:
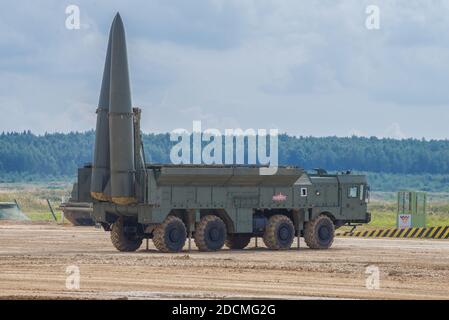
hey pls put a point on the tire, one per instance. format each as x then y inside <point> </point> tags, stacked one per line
<point>170,236</point>
<point>122,241</point>
<point>210,233</point>
<point>279,233</point>
<point>319,232</point>
<point>237,241</point>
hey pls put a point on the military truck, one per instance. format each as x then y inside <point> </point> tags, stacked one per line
<point>231,204</point>
<point>217,205</point>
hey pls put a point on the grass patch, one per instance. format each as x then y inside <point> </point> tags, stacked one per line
<point>44,215</point>
<point>32,198</point>
<point>383,213</point>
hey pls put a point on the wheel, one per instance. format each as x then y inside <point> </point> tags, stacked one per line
<point>210,233</point>
<point>319,232</point>
<point>279,233</point>
<point>124,235</point>
<point>237,241</point>
<point>170,236</point>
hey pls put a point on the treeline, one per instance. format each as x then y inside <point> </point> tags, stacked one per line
<point>389,182</point>
<point>59,154</point>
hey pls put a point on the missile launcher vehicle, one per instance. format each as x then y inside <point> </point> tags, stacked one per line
<point>217,205</point>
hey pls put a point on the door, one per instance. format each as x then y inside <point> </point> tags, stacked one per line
<point>350,199</point>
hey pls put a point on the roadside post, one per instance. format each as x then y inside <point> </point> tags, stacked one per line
<point>51,210</point>
<point>411,209</point>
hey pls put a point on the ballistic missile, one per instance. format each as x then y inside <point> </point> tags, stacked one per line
<point>100,183</point>
<point>121,131</point>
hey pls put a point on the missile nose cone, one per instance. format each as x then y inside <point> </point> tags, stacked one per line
<point>104,93</point>
<point>120,87</point>
<point>117,17</point>
<point>117,25</point>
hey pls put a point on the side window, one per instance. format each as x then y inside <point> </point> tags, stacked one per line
<point>303,192</point>
<point>362,187</point>
<point>353,192</point>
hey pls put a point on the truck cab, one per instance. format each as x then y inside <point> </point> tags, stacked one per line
<point>344,196</point>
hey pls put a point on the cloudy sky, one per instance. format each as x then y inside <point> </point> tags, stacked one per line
<point>303,67</point>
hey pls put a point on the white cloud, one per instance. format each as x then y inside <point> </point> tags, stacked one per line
<point>356,132</point>
<point>394,131</point>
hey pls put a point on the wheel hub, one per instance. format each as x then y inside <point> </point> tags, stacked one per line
<point>324,233</point>
<point>284,233</point>
<point>214,234</point>
<point>174,235</point>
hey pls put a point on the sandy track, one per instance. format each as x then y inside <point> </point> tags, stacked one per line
<point>34,258</point>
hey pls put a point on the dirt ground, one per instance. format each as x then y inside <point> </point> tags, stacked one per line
<point>34,260</point>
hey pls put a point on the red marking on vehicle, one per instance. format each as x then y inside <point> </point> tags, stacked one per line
<point>279,197</point>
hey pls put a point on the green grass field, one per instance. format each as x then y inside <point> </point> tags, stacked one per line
<point>383,214</point>
<point>32,200</point>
